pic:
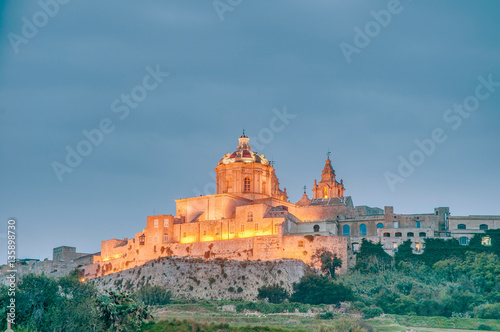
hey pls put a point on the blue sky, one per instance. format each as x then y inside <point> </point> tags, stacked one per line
<point>229,67</point>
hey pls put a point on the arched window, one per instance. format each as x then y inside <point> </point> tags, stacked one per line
<point>422,234</point>
<point>410,234</point>
<point>464,240</point>
<point>362,230</point>
<point>346,230</point>
<point>316,228</point>
<point>398,234</point>
<point>325,192</point>
<point>380,225</point>
<point>247,184</point>
<point>264,187</point>
<point>461,226</point>
<point>483,227</point>
<point>387,234</point>
<point>249,216</point>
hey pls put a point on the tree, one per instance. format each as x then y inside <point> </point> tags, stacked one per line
<point>329,261</point>
<point>315,289</point>
<point>372,257</point>
<point>404,253</point>
<point>273,293</point>
<point>122,312</point>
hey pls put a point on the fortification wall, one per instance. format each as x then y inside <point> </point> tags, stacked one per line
<point>264,248</point>
<point>195,278</point>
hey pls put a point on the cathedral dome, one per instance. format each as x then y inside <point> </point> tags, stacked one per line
<point>243,154</point>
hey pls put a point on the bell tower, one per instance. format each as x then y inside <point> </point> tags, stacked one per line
<point>328,187</point>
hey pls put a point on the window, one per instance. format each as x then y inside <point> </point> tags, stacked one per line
<point>325,192</point>
<point>301,244</point>
<point>418,224</point>
<point>410,234</point>
<point>461,226</point>
<point>387,234</point>
<point>398,234</point>
<point>417,246</point>
<point>355,247</point>
<point>256,226</point>
<point>380,225</point>
<point>276,229</point>
<point>242,228</point>
<point>184,234</point>
<point>247,184</point>
<point>346,230</point>
<point>422,234</point>
<point>142,240</point>
<point>316,228</point>
<point>483,227</point>
<point>464,240</point>
<point>165,222</point>
<point>165,238</point>
<point>264,187</point>
<point>395,224</point>
<point>205,232</point>
<point>156,223</point>
<point>362,230</point>
<point>231,229</point>
<point>249,216</point>
<point>395,246</point>
<point>217,231</point>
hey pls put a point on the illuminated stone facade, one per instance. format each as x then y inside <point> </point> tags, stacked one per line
<point>250,218</point>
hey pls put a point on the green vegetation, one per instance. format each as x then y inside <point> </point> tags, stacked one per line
<point>153,295</point>
<point>67,304</point>
<point>315,289</point>
<point>448,279</point>
<point>273,293</point>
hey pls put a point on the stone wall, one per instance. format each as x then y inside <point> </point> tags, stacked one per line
<point>194,278</point>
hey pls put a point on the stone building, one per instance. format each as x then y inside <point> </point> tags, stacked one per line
<point>251,218</point>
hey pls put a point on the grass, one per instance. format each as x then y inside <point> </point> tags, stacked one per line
<point>208,316</point>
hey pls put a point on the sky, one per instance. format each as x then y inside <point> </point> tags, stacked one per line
<point>111,110</point>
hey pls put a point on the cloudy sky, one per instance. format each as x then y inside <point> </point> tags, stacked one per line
<point>365,79</point>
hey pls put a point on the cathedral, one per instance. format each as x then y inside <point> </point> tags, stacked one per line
<point>251,218</point>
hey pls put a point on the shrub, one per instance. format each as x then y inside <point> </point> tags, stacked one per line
<point>273,293</point>
<point>315,289</point>
<point>370,312</point>
<point>484,327</point>
<point>488,311</point>
<point>326,315</point>
<point>153,295</point>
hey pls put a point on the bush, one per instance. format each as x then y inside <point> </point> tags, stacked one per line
<point>326,315</point>
<point>315,289</point>
<point>488,311</point>
<point>484,327</point>
<point>370,312</point>
<point>274,294</point>
<point>153,295</point>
